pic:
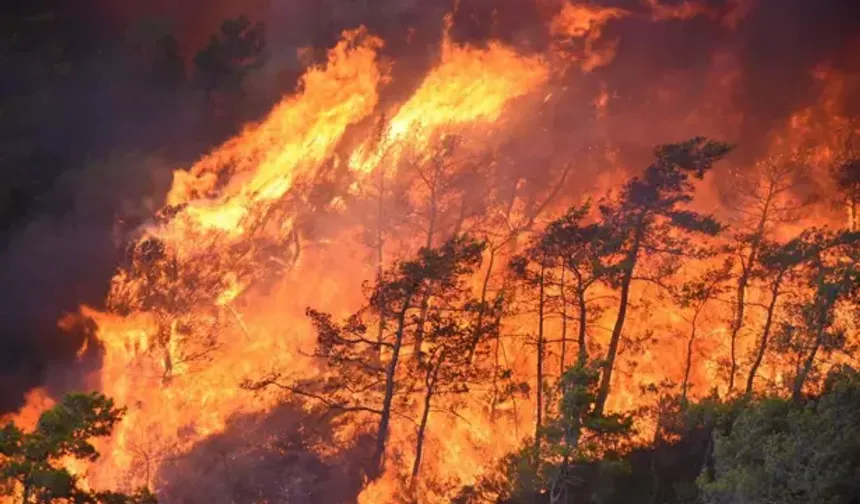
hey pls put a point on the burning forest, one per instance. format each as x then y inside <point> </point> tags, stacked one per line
<point>480,252</point>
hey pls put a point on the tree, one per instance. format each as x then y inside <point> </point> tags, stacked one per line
<point>30,469</point>
<point>790,452</point>
<point>576,437</point>
<point>694,296</point>
<point>365,375</point>
<point>453,326</point>
<point>443,208</point>
<point>648,217</point>
<point>582,251</point>
<point>832,275</point>
<point>846,175</point>
<point>761,200</point>
<point>778,267</point>
<point>513,225</point>
<point>579,420</point>
<point>848,182</point>
<point>570,255</point>
<point>532,269</point>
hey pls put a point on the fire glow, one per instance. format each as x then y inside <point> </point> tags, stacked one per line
<point>216,287</point>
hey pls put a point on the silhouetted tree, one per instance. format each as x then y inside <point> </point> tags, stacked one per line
<point>695,296</point>
<point>649,217</point>
<point>813,328</point>
<point>575,437</point>
<point>848,181</point>
<point>453,326</point>
<point>762,199</point>
<point>779,265</point>
<point>570,255</point>
<point>846,174</point>
<point>365,374</point>
<point>30,462</point>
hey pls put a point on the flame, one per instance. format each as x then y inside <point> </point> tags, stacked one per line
<point>216,286</point>
<point>36,401</point>
<point>179,373</point>
<point>265,161</point>
<point>470,87</point>
<point>581,24</point>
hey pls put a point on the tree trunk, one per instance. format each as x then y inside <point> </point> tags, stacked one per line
<point>689,363</point>
<point>765,335</point>
<point>379,260</point>
<point>803,373</point>
<point>822,323</point>
<point>390,375</point>
<point>497,350</point>
<point>430,382</point>
<point>737,323</point>
<point>743,283</point>
<point>479,323</point>
<point>540,344</point>
<point>615,338</point>
<point>800,379</point>
<point>431,231</point>
<point>563,357</point>
<point>582,335</point>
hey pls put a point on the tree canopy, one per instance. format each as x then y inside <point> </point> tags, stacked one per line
<point>31,463</point>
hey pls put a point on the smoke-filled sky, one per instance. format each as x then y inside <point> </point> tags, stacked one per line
<point>776,42</point>
<point>52,263</point>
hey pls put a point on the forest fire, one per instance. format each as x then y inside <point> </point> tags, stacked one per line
<point>282,278</point>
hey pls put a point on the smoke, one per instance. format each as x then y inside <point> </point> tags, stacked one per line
<point>780,42</point>
<point>61,259</point>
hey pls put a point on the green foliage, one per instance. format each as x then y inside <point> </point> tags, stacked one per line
<point>577,440</point>
<point>30,462</point>
<point>782,451</point>
<point>830,275</point>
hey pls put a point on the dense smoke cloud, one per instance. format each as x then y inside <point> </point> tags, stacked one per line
<point>64,256</point>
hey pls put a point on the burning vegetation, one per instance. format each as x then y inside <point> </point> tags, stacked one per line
<point>433,288</point>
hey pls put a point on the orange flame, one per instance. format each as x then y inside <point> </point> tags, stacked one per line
<point>217,287</point>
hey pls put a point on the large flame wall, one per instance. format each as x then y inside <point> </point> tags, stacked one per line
<point>216,286</point>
